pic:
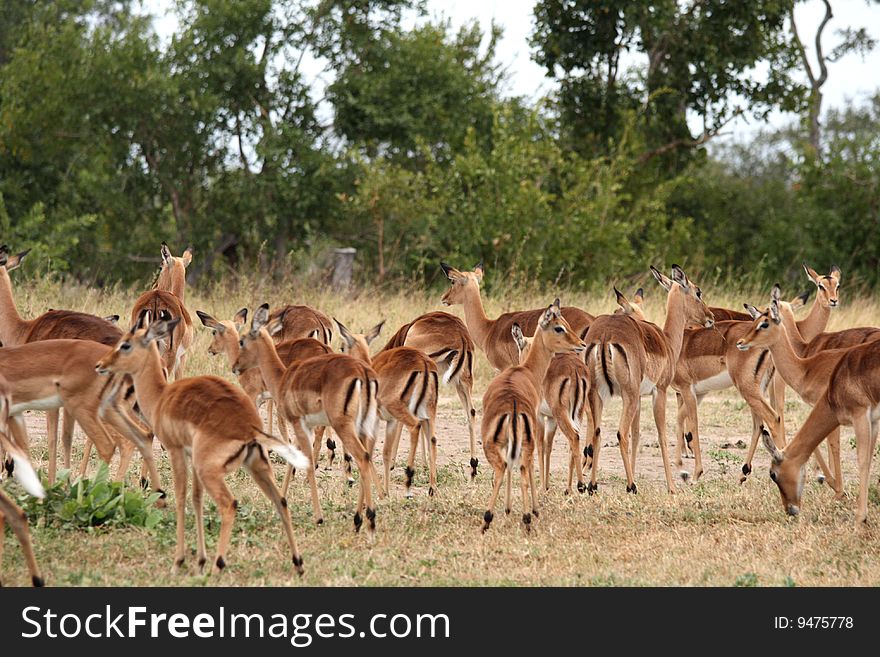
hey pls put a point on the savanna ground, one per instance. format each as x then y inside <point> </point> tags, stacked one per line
<point>713,532</point>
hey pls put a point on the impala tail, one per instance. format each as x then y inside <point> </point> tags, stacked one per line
<point>285,450</point>
<point>23,470</point>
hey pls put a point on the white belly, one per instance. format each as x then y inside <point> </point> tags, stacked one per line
<point>544,409</point>
<point>647,387</point>
<point>718,382</point>
<point>44,404</point>
<point>318,419</point>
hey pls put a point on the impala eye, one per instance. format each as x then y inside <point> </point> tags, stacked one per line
<point>559,329</point>
<point>125,346</point>
<point>213,331</point>
<point>241,343</point>
<point>773,475</point>
<point>764,325</point>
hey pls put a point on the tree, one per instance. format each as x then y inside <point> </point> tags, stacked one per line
<point>696,56</point>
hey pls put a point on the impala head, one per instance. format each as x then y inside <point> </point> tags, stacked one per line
<point>10,261</point>
<point>787,476</point>
<point>766,328</point>
<point>173,271</point>
<point>681,289</point>
<point>223,332</point>
<point>523,342</point>
<point>358,344</point>
<point>555,332</point>
<point>462,281</point>
<point>828,286</point>
<point>261,328</point>
<point>632,307</point>
<point>131,352</point>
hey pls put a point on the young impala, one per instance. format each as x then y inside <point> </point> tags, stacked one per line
<point>408,387</point>
<point>333,390</point>
<point>510,426</point>
<point>211,421</point>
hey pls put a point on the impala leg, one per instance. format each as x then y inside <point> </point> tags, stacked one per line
<point>464,394</point>
<point>198,508</point>
<point>301,432</point>
<point>866,438</point>
<point>67,436</point>
<point>179,474</point>
<point>834,456</point>
<point>52,441</point>
<point>411,459</point>
<point>389,449</point>
<point>549,434</point>
<point>316,445</point>
<point>270,407</point>
<point>595,445</point>
<point>630,401</point>
<point>659,400</point>
<point>680,427</point>
<point>636,434</point>
<point>17,519</point>
<point>757,430</point>
<point>540,445</point>
<point>353,446</point>
<point>571,434</point>
<point>260,469</point>
<point>212,479</point>
<point>499,468</point>
<point>688,410</point>
<point>777,401</point>
<point>431,439</point>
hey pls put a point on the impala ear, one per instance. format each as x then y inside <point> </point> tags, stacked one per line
<point>639,296</point>
<point>518,337</point>
<point>775,453</point>
<point>14,261</point>
<point>547,317</point>
<point>345,333</point>
<point>479,270</point>
<point>754,312</point>
<point>811,274</point>
<point>210,322</point>
<point>623,302</point>
<point>374,332</point>
<point>260,319</point>
<point>143,320</point>
<point>240,319</point>
<point>776,293</point>
<point>161,329</point>
<point>835,273</point>
<point>664,280</point>
<point>166,253</point>
<point>113,319</point>
<point>680,277</point>
<point>451,272</point>
<point>187,256</point>
<point>774,311</point>
<point>801,300</point>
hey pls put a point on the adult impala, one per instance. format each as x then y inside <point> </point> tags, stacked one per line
<point>630,358</point>
<point>211,421</point>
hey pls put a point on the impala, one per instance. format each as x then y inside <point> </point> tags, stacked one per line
<point>302,322</point>
<point>9,511</point>
<point>446,341</point>
<point>211,421</point>
<point>563,405</point>
<point>408,390</point>
<point>166,296</point>
<point>852,397</point>
<point>510,425</point>
<point>630,357</point>
<point>333,390</point>
<point>808,377</point>
<point>54,324</point>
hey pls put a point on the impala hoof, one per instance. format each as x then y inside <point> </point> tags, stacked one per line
<point>298,564</point>
<point>358,521</point>
<point>632,489</point>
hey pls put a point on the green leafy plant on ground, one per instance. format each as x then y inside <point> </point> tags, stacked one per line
<point>96,502</point>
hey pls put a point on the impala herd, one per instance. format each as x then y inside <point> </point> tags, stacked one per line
<point>555,369</point>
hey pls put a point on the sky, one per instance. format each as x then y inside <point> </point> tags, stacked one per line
<point>850,80</point>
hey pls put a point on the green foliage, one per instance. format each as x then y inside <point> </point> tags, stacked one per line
<point>746,579</point>
<point>96,502</point>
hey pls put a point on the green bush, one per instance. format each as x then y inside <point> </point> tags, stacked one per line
<point>96,502</point>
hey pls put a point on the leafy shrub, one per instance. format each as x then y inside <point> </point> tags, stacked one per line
<point>93,502</point>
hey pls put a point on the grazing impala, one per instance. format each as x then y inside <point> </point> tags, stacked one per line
<point>211,421</point>
<point>408,387</point>
<point>9,511</point>
<point>808,377</point>
<point>302,322</point>
<point>563,405</point>
<point>167,297</point>
<point>631,358</point>
<point>444,338</point>
<point>54,324</point>
<point>510,425</point>
<point>852,397</point>
<point>333,390</point>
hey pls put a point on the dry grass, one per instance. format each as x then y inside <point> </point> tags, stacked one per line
<point>715,532</point>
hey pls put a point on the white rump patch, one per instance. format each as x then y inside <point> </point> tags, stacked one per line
<point>44,404</point>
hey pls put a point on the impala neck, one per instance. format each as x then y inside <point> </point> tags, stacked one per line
<point>787,362</point>
<point>173,279</point>
<point>795,339</point>
<point>816,321</point>
<point>271,366</point>
<point>149,384</point>
<point>478,324</point>
<point>538,359</point>
<point>230,346</point>
<point>820,422</point>
<point>12,326</point>
<point>675,323</point>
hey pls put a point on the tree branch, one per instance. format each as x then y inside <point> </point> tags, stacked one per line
<point>823,68</point>
<point>801,50</point>
<point>688,143</point>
